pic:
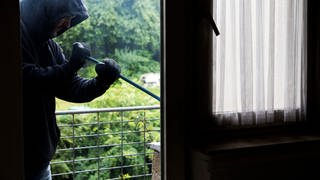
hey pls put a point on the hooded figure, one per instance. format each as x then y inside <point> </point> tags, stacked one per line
<point>47,74</point>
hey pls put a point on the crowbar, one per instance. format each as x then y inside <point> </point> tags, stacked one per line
<point>127,80</point>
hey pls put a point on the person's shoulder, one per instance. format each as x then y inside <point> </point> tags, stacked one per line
<point>25,38</point>
<point>51,42</point>
<point>54,46</point>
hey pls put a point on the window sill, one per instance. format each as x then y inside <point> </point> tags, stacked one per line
<point>288,155</point>
<point>261,141</point>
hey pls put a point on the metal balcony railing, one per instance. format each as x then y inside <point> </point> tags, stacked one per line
<point>108,143</point>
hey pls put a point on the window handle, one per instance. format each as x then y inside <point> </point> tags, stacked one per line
<point>209,17</point>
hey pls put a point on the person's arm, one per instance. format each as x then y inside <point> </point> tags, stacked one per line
<point>53,75</point>
<point>84,90</point>
<point>80,89</point>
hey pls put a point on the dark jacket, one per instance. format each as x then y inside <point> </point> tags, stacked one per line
<point>47,76</point>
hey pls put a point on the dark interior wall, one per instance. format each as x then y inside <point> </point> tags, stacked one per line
<point>313,87</point>
<point>11,126</point>
<point>174,92</point>
<point>186,88</point>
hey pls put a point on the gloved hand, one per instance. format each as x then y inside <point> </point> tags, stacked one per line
<point>107,72</point>
<point>77,59</point>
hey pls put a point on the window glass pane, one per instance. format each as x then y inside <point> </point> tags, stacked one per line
<point>259,57</point>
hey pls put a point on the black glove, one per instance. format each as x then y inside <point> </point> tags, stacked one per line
<point>107,72</point>
<point>77,59</point>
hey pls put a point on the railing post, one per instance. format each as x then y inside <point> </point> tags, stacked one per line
<point>98,143</point>
<point>73,148</point>
<point>121,147</point>
<point>144,144</point>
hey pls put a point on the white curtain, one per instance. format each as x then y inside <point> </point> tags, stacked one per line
<point>259,61</point>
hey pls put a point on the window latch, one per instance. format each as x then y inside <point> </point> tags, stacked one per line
<point>212,23</point>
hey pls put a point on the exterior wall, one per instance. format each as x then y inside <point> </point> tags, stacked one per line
<point>156,166</point>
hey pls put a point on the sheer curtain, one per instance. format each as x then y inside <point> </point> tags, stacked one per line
<point>259,61</point>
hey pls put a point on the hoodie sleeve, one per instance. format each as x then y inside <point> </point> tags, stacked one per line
<point>57,79</point>
<point>80,90</point>
<point>42,67</point>
<point>39,77</point>
<point>75,89</point>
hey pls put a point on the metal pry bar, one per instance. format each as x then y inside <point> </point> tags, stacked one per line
<point>127,80</point>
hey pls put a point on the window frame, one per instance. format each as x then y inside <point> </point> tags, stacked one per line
<point>198,107</point>
<point>186,89</point>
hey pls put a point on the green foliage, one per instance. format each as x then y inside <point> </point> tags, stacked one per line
<point>118,24</point>
<point>61,168</point>
<point>117,148</point>
<point>127,31</point>
<point>137,64</point>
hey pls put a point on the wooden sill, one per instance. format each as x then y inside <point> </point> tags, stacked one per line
<point>260,142</point>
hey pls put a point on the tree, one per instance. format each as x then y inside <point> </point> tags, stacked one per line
<point>119,26</point>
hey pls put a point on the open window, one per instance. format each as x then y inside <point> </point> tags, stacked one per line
<point>117,135</point>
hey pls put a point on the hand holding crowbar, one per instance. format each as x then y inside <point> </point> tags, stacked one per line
<point>127,80</point>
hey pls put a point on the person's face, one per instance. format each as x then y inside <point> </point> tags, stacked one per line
<point>61,25</point>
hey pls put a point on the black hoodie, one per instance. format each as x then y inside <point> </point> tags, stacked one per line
<point>47,76</point>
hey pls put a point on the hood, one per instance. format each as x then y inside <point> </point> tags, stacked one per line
<point>39,16</point>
